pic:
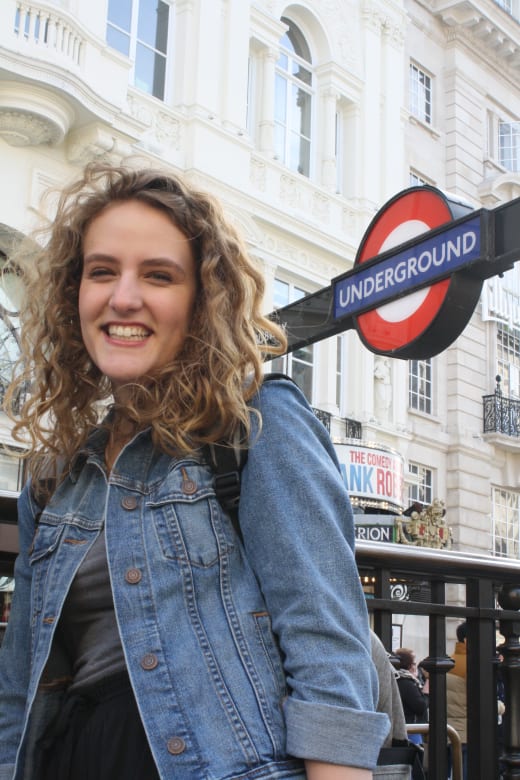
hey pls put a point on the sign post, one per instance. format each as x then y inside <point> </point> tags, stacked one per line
<point>417,276</point>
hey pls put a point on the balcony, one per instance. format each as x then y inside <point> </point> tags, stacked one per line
<point>406,580</point>
<point>501,414</point>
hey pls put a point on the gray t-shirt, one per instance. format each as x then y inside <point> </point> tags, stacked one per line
<point>88,628</point>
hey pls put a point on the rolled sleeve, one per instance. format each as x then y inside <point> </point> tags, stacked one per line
<point>335,734</point>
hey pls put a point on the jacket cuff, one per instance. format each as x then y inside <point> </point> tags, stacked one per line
<point>6,772</point>
<point>336,735</point>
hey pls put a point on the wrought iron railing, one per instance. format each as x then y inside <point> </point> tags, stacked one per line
<point>325,417</point>
<point>501,414</point>
<point>492,600</point>
<point>353,429</point>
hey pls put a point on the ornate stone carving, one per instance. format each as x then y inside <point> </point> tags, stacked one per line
<point>32,116</point>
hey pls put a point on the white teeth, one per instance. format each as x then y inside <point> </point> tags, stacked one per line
<point>127,332</point>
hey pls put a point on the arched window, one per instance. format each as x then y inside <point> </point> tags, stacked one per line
<point>293,101</point>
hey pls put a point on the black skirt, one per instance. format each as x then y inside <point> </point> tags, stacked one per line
<point>98,735</point>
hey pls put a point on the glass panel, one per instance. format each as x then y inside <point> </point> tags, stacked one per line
<point>303,107</point>
<point>120,13</point>
<point>280,99</point>
<point>280,294</point>
<point>118,40</point>
<point>295,41</point>
<point>302,375</point>
<point>302,74</point>
<point>279,142</point>
<point>150,70</point>
<point>152,25</point>
<point>304,353</point>
<point>283,61</point>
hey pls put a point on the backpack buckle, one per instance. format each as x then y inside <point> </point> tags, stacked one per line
<point>227,488</point>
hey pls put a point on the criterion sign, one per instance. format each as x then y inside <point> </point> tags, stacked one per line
<point>410,302</point>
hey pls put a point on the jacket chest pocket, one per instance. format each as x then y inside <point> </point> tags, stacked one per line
<point>190,531</point>
<point>45,541</point>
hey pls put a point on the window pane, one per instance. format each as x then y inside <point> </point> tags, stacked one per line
<point>280,99</point>
<point>280,294</point>
<point>283,61</point>
<point>302,375</point>
<point>152,25</point>
<point>301,115</point>
<point>118,40</point>
<point>295,41</point>
<point>302,74</point>
<point>150,70</point>
<point>120,13</point>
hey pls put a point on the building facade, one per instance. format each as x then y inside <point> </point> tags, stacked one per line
<point>304,118</point>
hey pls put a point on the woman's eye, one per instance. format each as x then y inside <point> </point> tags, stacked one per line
<point>95,273</point>
<point>160,276</point>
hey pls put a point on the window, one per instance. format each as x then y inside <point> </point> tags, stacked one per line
<point>420,385</point>
<point>139,30</point>
<point>293,101</point>
<point>422,491</point>
<point>511,7</point>
<point>416,180</point>
<point>298,364</point>
<point>508,359</point>
<point>509,145</point>
<point>505,506</point>
<point>420,94</point>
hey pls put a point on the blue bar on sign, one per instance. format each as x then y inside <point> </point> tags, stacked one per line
<point>425,263</point>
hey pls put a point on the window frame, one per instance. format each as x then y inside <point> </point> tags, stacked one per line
<point>134,42</point>
<point>420,95</point>
<point>284,155</point>
<point>505,544</point>
<point>286,364</point>
<point>422,492</point>
<point>420,399</point>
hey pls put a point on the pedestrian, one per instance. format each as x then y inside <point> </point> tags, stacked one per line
<point>456,698</point>
<point>150,638</point>
<point>415,701</point>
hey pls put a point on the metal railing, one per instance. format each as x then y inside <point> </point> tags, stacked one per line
<point>492,588</point>
<point>501,414</point>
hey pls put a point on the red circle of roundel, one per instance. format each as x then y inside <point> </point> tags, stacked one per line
<point>416,204</point>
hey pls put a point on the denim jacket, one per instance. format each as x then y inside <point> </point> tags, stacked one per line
<point>244,658</point>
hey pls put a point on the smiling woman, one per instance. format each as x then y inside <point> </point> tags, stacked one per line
<point>146,631</point>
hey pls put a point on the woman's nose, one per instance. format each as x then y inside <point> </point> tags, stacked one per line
<point>126,294</point>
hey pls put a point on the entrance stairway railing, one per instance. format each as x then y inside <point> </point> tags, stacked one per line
<point>492,602</point>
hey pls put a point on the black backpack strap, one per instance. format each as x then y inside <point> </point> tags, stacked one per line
<point>227,463</point>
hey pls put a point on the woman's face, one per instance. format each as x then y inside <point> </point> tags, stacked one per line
<point>137,290</point>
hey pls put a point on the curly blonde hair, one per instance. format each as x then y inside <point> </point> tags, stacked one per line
<point>199,397</point>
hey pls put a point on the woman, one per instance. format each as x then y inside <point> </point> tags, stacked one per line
<point>145,640</point>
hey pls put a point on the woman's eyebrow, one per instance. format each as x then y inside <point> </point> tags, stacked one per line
<point>166,262</point>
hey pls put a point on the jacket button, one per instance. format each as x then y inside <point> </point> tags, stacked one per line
<point>176,745</point>
<point>129,502</point>
<point>133,576</point>
<point>149,661</point>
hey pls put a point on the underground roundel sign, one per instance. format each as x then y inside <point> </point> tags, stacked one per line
<point>422,318</point>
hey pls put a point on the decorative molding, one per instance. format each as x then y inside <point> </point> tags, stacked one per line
<point>32,116</point>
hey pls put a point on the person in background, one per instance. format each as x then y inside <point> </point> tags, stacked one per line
<point>415,701</point>
<point>148,637</point>
<point>456,697</point>
<point>389,699</point>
